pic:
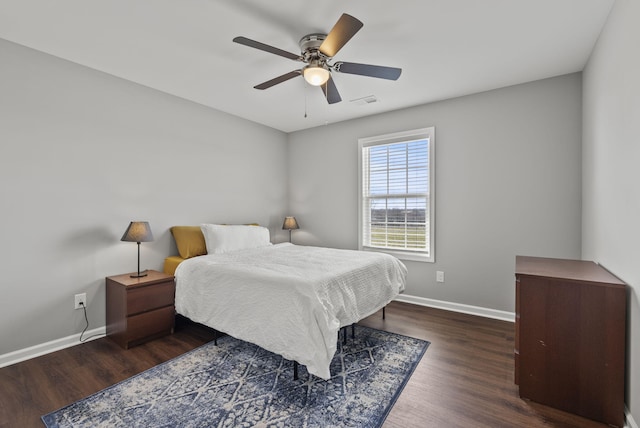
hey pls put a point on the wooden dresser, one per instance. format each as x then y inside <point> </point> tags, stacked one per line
<point>140,309</point>
<point>570,337</point>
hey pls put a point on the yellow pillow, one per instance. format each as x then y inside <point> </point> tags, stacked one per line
<point>171,263</point>
<point>189,240</point>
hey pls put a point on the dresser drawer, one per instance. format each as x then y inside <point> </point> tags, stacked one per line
<point>150,297</point>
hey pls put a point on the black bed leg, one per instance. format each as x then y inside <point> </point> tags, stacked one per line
<point>344,335</point>
<point>353,331</point>
<point>295,370</point>
<point>215,337</point>
<point>383,312</point>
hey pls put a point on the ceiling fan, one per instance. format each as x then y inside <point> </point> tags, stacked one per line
<point>317,50</point>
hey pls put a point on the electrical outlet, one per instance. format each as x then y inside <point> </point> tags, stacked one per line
<point>80,300</point>
<point>439,276</point>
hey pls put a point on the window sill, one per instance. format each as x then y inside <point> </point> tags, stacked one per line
<point>403,255</point>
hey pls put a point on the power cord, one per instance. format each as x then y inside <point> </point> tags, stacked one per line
<point>84,308</point>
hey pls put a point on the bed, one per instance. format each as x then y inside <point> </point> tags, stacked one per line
<point>288,299</point>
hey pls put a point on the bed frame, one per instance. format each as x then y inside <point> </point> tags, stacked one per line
<point>343,330</point>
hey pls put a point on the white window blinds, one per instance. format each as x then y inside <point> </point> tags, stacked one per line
<point>396,193</point>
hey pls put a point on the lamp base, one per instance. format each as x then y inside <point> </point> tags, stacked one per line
<point>139,274</point>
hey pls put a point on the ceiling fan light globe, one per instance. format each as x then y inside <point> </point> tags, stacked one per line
<point>315,75</point>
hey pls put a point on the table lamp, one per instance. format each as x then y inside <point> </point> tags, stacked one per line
<point>290,224</point>
<point>138,231</point>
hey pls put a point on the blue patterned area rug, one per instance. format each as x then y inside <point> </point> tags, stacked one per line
<point>239,384</point>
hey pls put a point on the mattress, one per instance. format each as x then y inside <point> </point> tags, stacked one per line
<point>288,299</point>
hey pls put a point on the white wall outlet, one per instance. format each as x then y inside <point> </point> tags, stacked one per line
<point>80,300</point>
<point>439,276</point>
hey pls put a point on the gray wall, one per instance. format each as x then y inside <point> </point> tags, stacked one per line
<point>611,168</point>
<point>508,181</point>
<point>83,153</point>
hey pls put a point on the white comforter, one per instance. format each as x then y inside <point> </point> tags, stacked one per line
<point>288,299</point>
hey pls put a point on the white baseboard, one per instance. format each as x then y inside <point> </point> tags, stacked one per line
<point>66,342</point>
<point>48,347</point>
<point>458,307</point>
<point>631,423</point>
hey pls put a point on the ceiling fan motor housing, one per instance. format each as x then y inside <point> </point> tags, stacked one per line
<point>310,47</point>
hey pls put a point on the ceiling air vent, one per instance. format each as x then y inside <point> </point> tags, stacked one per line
<point>369,99</point>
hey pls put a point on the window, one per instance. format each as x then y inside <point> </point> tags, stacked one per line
<point>396,204</point>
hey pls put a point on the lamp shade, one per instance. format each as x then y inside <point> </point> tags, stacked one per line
<point>316,75</point>
<point>138,231</point>
<point>290,223</point>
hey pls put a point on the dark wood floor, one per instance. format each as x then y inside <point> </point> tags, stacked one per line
<point>465,378</point>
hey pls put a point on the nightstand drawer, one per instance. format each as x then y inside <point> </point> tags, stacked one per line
<point>151,297</point>
<point>150,323</point>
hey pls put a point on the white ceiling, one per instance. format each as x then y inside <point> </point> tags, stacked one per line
<point>446,48</point>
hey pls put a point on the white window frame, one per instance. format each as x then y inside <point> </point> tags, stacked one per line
<point>427,255</point>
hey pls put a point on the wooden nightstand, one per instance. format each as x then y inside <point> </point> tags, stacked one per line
<point>140,309</point>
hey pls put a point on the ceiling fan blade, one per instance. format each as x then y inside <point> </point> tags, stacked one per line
<point>331,92</point>
<point>279,79</point>
<point>390,73</point>
<point>264,47</point>
<point>346,27</point>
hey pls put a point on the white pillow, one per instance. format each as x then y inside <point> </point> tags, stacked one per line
<point>224,238</point>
